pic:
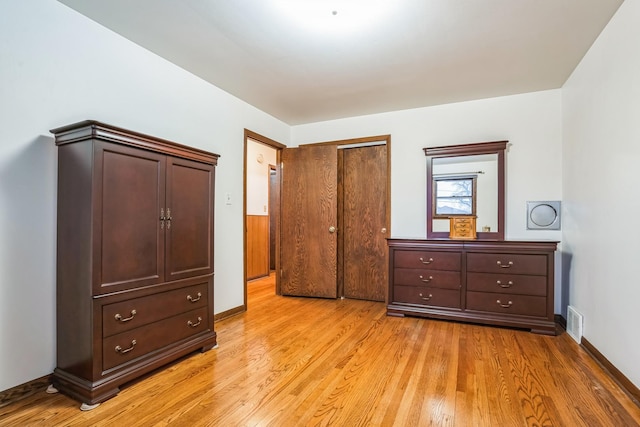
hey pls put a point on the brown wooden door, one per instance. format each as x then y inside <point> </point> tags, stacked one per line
<point>189,219</point>
<point>309,210</point>
<point>364,222</point>
<point>128,194</point>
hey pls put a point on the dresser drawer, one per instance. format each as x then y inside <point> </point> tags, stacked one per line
<point>130,314</point>
<point>424,295</point>
<point>431,278</point>
<point>512,283</point>
<point>507,263</point>
<point>430,260</point>
<point>132,344</point>
<point>507,303</point>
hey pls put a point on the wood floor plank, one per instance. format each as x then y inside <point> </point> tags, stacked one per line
<point>317,362</point>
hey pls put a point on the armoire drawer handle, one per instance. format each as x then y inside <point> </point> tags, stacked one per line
<point>505,285</point>
<point>194,325</point>
<point>125,319</point>
<point>126,350</point>
<point>192,299</point>
<point>425,298</point>
<point>426,262</point>
<point>509,264</point>
<point>422,279</point>
<point>507,305</point>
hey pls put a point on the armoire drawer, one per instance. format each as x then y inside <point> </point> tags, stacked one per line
<point>526,305</point>
<point>424,295</point>
<point>135,343</point>
<point>422,277</point>
<point>133,313</point>
<point>431,260</point>
<point>507,263</point>
<point>511,283</point>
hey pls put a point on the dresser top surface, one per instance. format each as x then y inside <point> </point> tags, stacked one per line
<point>546,245</point>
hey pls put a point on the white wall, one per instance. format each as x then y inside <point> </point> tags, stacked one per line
<point>531,122</point>
<point>58,67</point>
<point>601,110</point>
<point>258,177</point>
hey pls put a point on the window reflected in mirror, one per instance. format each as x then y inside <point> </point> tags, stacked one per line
<point>465,185</point>
<point>454,195</point>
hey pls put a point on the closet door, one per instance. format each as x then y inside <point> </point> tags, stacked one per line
<point>128,195</point>
<point>189,219</point>
<point>309,221</point>
<point>364,222</point>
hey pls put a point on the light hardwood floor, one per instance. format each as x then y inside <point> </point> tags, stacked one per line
<point>301,361</point>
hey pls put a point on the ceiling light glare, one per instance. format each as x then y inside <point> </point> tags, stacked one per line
<point>333,16</point>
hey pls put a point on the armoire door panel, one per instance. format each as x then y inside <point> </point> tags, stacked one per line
<point>128,197</point>
<point>309,221</point>
<point>364,181</point>
<point>189,232</point>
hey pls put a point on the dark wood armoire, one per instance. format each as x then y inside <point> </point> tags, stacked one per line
<point>134,256</point>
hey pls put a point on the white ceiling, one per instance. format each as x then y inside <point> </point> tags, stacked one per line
<point>404,54</point>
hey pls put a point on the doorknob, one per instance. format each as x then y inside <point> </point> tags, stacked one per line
<point>332,229</point>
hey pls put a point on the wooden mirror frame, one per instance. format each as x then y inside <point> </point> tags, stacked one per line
<point>495,147</point>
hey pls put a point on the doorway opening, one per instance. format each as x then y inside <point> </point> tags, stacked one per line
<point>261,208</point>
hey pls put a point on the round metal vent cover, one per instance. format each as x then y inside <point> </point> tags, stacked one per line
<point>543,215</point>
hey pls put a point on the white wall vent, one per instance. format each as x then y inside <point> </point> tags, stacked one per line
<point>574,324</point>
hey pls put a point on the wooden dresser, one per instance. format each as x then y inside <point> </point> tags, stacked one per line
<point>506,283</point>
<point>134,256</point>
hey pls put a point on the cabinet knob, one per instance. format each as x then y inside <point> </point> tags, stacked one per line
<point>504,285</point>
<point>507,305</point>
<point>426,262</point>
<point>422,297</point>
<point>422,279</point>
<point>126,350</point>
<point>196,324</point>
<point>332,229</point>
<point>507,265</point>
<point>192,299</point>
<point>126,319</point>
<point>169,218</point>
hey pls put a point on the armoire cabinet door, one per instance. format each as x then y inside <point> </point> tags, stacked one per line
<point>189,228</point>
<point>128,195</point>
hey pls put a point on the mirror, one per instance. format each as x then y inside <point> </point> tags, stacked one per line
<point>466,180</point>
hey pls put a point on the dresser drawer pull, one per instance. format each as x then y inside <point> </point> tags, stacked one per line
<point>507,305</point>
<point>509,264</point>
<point>426,262</point>
<point>195,325</point>
<point>125,319</point>
<point>126,350</point>
<point>505,285</point>
<point>425,298</point>
<point>426,280</point>
<point>192,299</point>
